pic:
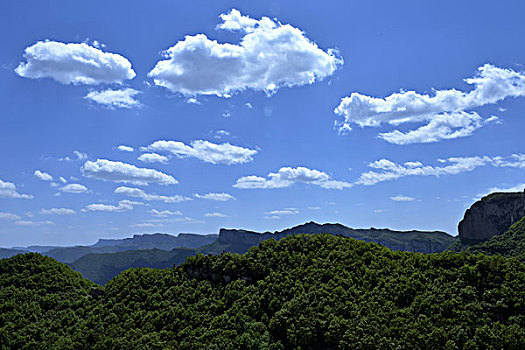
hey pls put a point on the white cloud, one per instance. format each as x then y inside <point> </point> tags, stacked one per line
<point>74,188</point>
<point>62,179</point>
<point>387,170</point>
<point>103,169</point>
<point>184,220</point>
<point>57,211</point>
<point>221,133</point>
<point>402,198</point>
<point>333,184</point>
<point>78,156</point>
<point>383,170</point>
<point>288,176</point>
<point>96,44</point>
<point>215,215</point>
<point>193,101</point>
<point>120,98</point>
<point>443,112</point>
<point>123,205</point>
<point>164,213</point>
<point>8,190</point>
<point>72,63</point>
<point>9,216</point>
<point>392,171</point>
<point>269,56</point>
<point>221,197</point>
<point>147,224</point>
<point>188,220</point>
<point>33,223</point>
<point>152,158</point>
<point>512,161</point>
<point>444,126</point>
<point>288,211</point>
<point>124,148</point>
<point>314,208</point>
<point>206,151</point>
<point>43,175</point>
<point>138,193</point>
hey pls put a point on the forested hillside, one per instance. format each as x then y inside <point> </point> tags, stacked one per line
<point>302,292</point>
<point>42,304</point>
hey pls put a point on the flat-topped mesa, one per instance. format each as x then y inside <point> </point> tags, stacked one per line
<point>159,240</point>
<point>418,241</point>
<point>491,216</point>
<point>136,239</point>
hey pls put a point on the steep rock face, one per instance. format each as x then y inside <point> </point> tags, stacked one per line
<point>413,241</point>
<point>492,215</point>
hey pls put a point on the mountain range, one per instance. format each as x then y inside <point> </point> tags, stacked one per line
<point>483,228</point>
<point>107,257</point>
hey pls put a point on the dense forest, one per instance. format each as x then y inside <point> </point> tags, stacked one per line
<point>302,292</point>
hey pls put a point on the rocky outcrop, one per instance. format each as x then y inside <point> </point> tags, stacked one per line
<point>414,241</point>
<point>492,215</point>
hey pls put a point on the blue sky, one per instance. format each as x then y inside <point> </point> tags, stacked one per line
<point>380,113</point>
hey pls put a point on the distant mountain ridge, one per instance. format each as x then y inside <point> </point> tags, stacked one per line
<point>489,217</point>
<point>105,259</point>
<point>100,268</point>
<point>412,241</point>
<point>159,240</point>
<point>163,241</point>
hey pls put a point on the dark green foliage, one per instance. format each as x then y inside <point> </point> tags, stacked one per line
<point>218,248</point>
<point>42,303</point>
<point>303,292</point>
<point>510,244</point>
<point>459,246</point>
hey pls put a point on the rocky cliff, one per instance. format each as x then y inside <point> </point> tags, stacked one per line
<point>492,215</point>
<point>414,241</point>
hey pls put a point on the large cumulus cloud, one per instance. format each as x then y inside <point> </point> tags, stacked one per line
<point>74,63</point>
<point>270,55</point>
<point>442,115</point>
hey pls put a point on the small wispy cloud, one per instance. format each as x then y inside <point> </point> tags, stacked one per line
<point>402,198</point>
<point>215,215</point>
